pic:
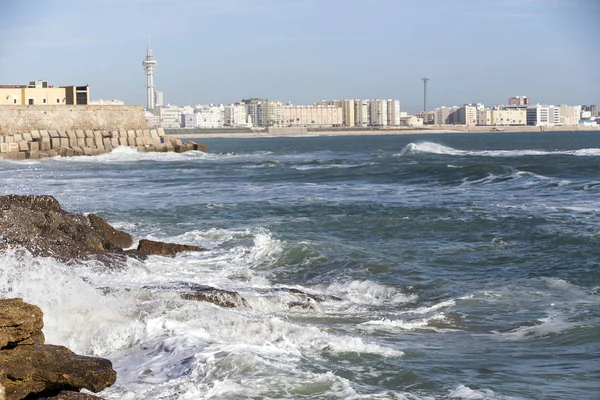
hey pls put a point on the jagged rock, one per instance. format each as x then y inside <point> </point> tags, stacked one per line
<point>46,370</point>
<point>223,298</point>
<point>112,238</point>
<point>68,395</point>
<point>151,248</point>
<point>305,296</point>
<point>194,291</point>
<point>20,323</point>
<point>40,225</point>
<point>302,305</point>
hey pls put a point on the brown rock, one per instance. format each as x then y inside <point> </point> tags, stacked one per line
<point>151,248</point>
<point>38,203</point>
<point>112,238</point>
<point>20,323</point>
<point>40,225</point>
<point>46,370</point>
<point>223,298</point>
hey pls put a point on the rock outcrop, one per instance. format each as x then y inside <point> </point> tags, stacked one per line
<point>40,225</point>
<point>31,369</point>
<point>222,298</point>
<point>151,248</point>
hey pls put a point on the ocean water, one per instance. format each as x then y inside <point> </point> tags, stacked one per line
<point>426,267</point>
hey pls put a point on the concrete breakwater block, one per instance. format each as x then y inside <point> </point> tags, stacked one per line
<point>51,143</point>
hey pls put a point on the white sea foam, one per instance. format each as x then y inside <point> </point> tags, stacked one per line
<point>405,325</point>
<point>464,392</point>
<point>127,154</point>
<point>167,347</point>
<point>554,323</point>
<point>368,293</point>
<point>435,148</point>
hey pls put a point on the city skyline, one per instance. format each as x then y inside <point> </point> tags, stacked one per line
<point>298,51</point>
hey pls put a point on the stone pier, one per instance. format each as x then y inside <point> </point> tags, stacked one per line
<point>51,143</point>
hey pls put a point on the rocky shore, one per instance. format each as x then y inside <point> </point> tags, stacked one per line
<point>30,368</point>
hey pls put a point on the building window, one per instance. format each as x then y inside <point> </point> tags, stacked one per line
<point>14,101</point>
<point>57,101</point>
<point>44,100</point>
<point>30,102</point>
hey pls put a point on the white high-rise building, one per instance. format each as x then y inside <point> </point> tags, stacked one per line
<point>170,116</point>
<point>210,116</point>
<point>393,112</point>
<point>378,112</point>
<point>543,115</point>
<point>361,113</point>
<point>236,116</point>
<point>158,98</point>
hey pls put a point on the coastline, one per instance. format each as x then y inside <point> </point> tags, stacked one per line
<point>195,134</point>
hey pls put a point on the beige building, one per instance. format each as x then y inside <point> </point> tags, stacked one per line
<point>446,115</point>
<point>569,115</point>
<point>348,109</point>
<point>40,93</point>
<point>467,115</point>
<point>502,116</point>
<point>412,121</point>
<point>315,115</point>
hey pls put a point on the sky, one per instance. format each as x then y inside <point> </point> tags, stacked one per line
<point>300,51</point>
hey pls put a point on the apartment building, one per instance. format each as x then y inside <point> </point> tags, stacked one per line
<point>519,101</point>
<point>315,115</point>
<point>361,113</point>
<point>569,115</point>
<point>348,109</point>
<point>446,115</point>
<point>236,116</point>
<point>502,116</point>
<point>378,112</point>
<point>171,116</point>
<point>393,113</point>
<point>543,115</point>
<point>210,116</point>
<point>467,115</point>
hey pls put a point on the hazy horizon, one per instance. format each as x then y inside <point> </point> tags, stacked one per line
<point>210,51</point>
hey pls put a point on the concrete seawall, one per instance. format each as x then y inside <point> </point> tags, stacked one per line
<point>38,144</point>
<point>23,119</point>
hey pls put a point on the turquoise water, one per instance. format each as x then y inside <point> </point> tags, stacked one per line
<point>445,266</point>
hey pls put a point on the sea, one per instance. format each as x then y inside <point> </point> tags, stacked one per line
<point>452,266</point>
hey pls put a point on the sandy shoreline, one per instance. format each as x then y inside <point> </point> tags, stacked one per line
<point>455,130</point>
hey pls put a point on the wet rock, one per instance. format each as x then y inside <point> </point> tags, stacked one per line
<point>222,298</point>
<point>40,225</point>
<point>111,237</point>
<point>302,305</point>
<point>46,370</point>
<point>307,297</point>
<point>20,323</point>
<point>196,292</point>
<point>152,248</point>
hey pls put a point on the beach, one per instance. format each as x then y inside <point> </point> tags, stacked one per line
<point>451,129</point>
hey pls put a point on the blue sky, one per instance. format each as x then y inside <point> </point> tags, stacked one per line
<point>220,51</point>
